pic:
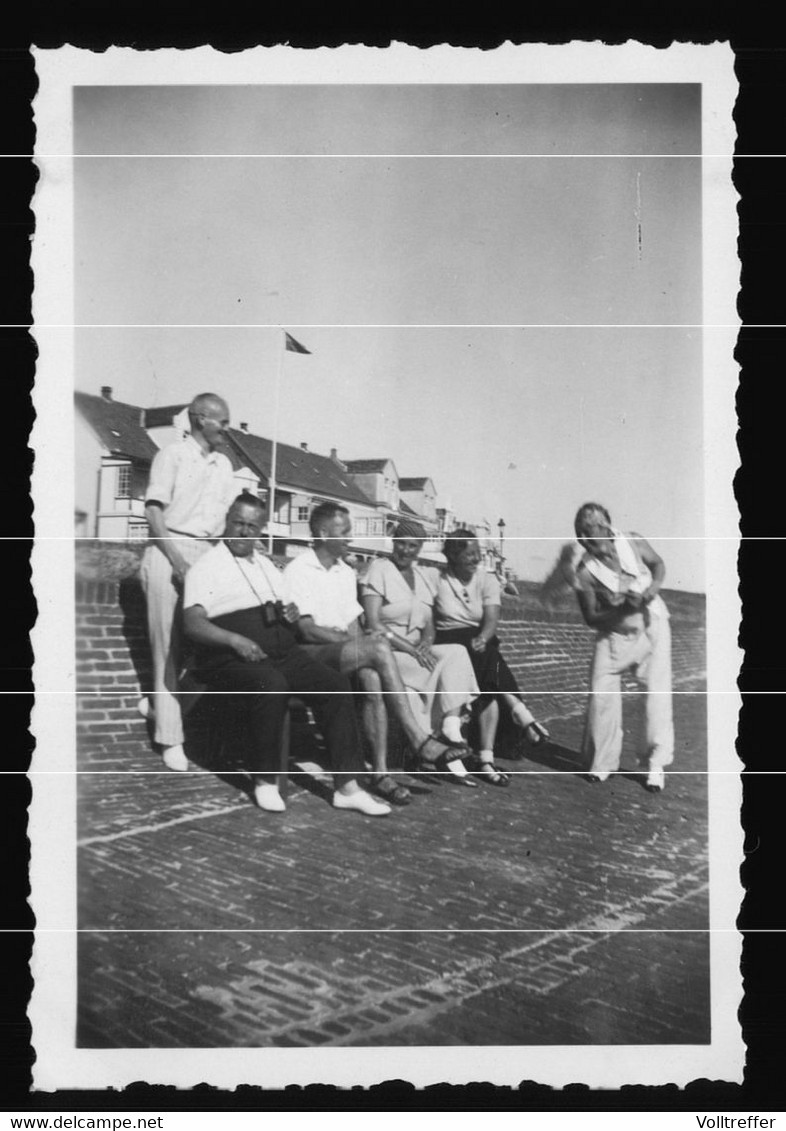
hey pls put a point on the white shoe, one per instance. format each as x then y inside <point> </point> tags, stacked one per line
<point>144,708</point>
<point>361,802</point>
<point>656,780</point>
<point>268,798</point>
<point>175,758</point>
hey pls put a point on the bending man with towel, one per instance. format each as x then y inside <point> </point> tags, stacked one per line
<point>618,581</point>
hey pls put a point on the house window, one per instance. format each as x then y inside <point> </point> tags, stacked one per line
<point>302,514</point>
<point>123,482</point>
<point>360,526</point>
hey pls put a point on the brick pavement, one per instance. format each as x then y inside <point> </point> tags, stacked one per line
<point>551,912</point>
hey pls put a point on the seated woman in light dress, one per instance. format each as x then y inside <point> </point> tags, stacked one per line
<point>397,598</point>
<point>466,611</point>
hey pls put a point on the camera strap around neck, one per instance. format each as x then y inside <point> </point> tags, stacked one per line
<point>260,599</point>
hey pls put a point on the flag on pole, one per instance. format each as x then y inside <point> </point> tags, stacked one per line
<point>293,346</point>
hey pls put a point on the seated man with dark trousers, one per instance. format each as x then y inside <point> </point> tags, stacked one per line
<point>235,615</point>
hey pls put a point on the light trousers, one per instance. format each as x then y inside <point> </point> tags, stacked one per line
<point>164,608</point>
<point>647,653</point>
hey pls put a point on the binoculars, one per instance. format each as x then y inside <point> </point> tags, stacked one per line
<point>272,613</point>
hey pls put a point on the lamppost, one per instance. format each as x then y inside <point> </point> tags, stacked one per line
<point>501,528</point>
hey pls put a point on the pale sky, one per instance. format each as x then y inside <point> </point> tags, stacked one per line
<point>463,310</point>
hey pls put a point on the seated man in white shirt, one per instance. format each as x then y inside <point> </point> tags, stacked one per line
<point>324,588</point>
<point>234,612</point>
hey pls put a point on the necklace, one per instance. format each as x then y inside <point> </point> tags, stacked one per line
<point>464,594</point>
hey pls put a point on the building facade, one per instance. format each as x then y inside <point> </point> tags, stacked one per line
<point>400,498</point>
<point>115,446</point>
<point>116,443</point>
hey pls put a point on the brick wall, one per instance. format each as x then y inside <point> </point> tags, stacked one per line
<point>112,664</point>
<point>550,657</point>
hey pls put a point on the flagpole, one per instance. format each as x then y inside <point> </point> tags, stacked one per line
<point>271,508</point>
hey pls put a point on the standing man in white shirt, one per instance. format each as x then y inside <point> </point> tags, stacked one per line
<point>324,588</point>
<point>191,486</point>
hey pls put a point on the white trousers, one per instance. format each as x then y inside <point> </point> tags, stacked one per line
<point>648,654</point>
<point>165,633</point>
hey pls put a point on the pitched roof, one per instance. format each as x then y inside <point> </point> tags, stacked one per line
<point>407,512</point>
<point>413,484</point>
<point>406,509</point>
<point>161,417</point>
<point>117,426</point>
<point>362,466</point>
<point>295,468</point>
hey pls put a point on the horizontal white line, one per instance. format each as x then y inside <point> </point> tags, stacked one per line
<point>528,692</point>
<point>395,930</point>
<point>391,325</point>
<point>120,692</point>
<point>382,538</point>
<point>405,156</point>
<point>385,538</point>
<point>179,774</point>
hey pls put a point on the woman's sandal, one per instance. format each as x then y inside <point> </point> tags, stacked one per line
<point>388,788</point>
<point>488,772</point>
<point>444,756</point>
<point>461,745</point>
<point>441,764</point>
<point>535,733</point>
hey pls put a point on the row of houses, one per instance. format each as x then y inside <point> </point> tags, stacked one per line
<point>116,443</point>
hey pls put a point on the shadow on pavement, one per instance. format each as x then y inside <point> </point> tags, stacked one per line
<point>551,756</point>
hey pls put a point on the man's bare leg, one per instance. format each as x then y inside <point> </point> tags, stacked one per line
<point>375,724</point>
<point>375,718</point>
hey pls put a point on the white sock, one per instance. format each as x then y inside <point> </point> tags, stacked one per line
<point>451,728</point>
<point>486,755</point>
<point>457,768</point>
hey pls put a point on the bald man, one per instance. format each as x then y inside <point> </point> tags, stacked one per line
<point>191,487</point>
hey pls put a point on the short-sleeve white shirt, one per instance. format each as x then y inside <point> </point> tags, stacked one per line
<point>222,583</point>
<point>194,487</point>
<point>328,596</point>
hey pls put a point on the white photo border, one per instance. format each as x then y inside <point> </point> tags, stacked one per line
<point>60,1064</point>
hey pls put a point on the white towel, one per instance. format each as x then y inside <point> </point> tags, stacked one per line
<point>635,578</point>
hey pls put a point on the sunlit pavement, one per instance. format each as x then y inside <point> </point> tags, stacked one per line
<point>552,912</point>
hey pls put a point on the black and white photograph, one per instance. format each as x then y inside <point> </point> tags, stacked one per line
<point>385,561</point>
